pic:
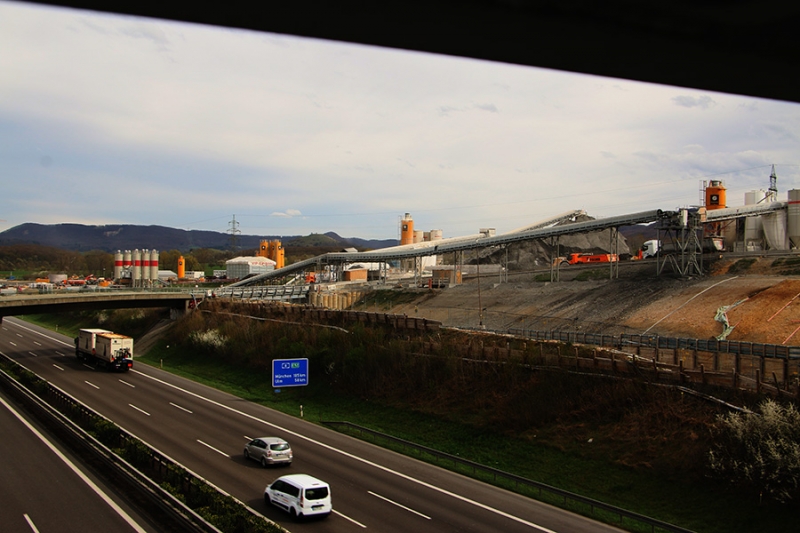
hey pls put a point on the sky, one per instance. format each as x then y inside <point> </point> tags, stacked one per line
<point>109,119</point>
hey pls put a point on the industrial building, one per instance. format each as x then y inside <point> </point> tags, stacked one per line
<point>242,267</point>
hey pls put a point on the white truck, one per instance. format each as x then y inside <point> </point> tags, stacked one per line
<point>105,348</point>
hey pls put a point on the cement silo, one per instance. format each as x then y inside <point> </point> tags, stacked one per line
<point>137,267</point>
<point>154,265</point>
<point>145,264</point>
<point>715,195</point>
<point>127,262</point>
<point>793,218</point>
<point>407,230</point>
<point>118,265</point>
<point>753,228</point>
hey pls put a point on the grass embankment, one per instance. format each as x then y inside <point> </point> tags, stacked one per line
<point>631,445</point>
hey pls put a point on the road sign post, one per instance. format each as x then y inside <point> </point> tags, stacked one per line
<point>289,372</point>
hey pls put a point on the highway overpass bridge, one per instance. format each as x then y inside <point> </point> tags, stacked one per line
<point>29,304</point>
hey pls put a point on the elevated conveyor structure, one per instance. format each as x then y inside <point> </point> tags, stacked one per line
<point>459,244</point>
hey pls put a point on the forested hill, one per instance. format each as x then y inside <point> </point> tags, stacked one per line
<point>110,238</point>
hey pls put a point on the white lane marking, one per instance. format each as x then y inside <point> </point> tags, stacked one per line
<point>348,518</point>
<point>59,353</point>
<point>181,408</point>
<point>248,438</point>
<point>36,343</point>
<point>92,384</point>
<point>355,457</point>
<point>20,336</point>
<point>409,509</point>
<point>211,447</point>
<point>126,383</point>
<point>88,366</point>
<point>140,410</point>
<point>11,343</point>
<point>30,523</point>
<point>58,367</point>
<point>136,527</point>
<point>21,326</point>
<point>33,354</point>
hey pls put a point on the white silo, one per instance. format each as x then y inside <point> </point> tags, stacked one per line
<point>793,218</point>
<point>118,265</point>
<point>137,267</point>
<point>753,229</point>
<point>127,262</point>
<point>154,265</point>
<point>145,264</point>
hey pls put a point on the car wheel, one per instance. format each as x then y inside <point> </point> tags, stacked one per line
<point>267,499</point>
<point>264,462</point>
<point>293,514</point>
<point>246,455</point>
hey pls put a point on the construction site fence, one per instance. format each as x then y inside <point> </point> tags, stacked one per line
<point>658,342</point>
<point>594,508</point>
<point>770,369</point>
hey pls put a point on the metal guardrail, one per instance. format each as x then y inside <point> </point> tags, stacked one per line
<point>655,525</point>
<point>183,516</point>
<point>146,489</point>
<point>654,341</point>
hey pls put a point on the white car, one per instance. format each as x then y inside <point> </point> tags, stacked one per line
<point>300,495</point>
<point>268,451</point>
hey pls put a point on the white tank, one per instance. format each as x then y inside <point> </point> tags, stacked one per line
<point>419,235</point>
<point>118,265</point>
<point>153,265</point>
<point>793,218</point>
<point>436,235</point>
<point>137,266</point>
<point>753,229</point>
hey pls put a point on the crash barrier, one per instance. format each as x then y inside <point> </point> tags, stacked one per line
<point>32,392</point>
<point>575,502</point>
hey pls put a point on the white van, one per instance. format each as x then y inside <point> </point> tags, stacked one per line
<point>300,495</point>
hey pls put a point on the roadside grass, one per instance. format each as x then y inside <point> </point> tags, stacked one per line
<point>696,504</point>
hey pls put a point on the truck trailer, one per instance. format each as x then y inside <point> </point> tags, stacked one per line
<point>105,348</point>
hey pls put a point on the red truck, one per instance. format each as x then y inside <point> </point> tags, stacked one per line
<point>585,258</point>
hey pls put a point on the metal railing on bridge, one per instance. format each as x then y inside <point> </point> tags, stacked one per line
<point>281,293</point>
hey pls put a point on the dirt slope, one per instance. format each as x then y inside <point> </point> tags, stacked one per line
<point>766,306</point>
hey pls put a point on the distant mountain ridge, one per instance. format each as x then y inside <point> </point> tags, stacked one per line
<point>113,237</point>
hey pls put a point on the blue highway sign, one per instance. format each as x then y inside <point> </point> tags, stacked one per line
<point>289,372</point>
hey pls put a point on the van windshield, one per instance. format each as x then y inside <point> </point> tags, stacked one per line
<point>317,494</point>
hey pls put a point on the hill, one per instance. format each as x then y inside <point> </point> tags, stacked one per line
<point>110,238</point>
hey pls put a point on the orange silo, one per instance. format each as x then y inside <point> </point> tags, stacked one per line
<point>715,195</point>
<point>181,268</point>
<point>263,249</point>
<point>278,256</point>
<point>407,230</point>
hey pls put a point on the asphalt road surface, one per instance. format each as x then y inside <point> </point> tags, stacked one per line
<point>205,430</point>
<point>44,489</point>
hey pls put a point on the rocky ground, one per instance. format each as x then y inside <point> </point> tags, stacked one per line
<point>764,302</point>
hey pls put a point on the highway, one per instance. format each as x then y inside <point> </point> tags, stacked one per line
<point>205,430</point>
<point>44,489</point>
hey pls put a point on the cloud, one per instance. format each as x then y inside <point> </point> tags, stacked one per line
<point>703,102</point>
<point>289,213</point>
